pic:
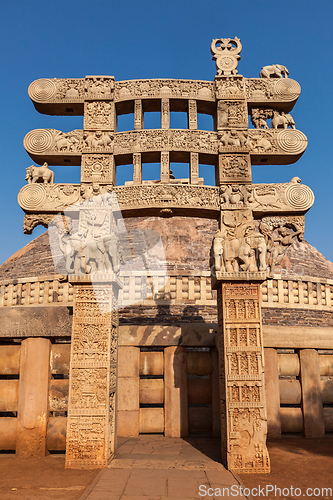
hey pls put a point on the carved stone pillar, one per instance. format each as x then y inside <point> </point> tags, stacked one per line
<point>165,114</point>
<point>91,421</point>
<point>138,115</point>
<point>192,114</point>
<point>194,168</point>
<point>241,366</point>
<point>165,167</point>
<point>137,168</point>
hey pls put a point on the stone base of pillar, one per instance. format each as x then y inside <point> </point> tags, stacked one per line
<point>242,390</point>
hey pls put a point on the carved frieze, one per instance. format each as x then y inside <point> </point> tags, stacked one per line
<point>99,87</point>
<point>272,90</point>
<point>261,198</point>
<point>46,90</point>
<point>230,88</point>
<point>187,89</point>
<point>280,146</point>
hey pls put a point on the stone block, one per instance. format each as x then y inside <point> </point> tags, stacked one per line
<point>128,423</point>
<point>151,391</point>
<point>288,365</point>
<point>10,359</point>
<point>8,427</point>
<point>200,420</point>
<point>290,392</point>
<point>326,365</point>
<point>33,397</point>
<point>272,393</point>
<point>128,361</point>
<point>328,419</point>
<point>60,359</point>
<point>327,391</point>
<point>151,363</point>
<point>199,390</point>
<point>151,420</point>
<point>175,392</point>
<point>9,390</point>
<point>199,363</point>
<point>312,402</point>
<point>128,394</point>
<point>291,420</point>
<point>58,395</point>
<point>56,433</point>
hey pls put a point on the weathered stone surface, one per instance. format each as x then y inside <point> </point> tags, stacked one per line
<point>272,394</point>
<point>36,321</point>
<point>32,414</point>
<point>10,359</point>
<point>9,390</point>
<point>175,386</point>
<point>56,434</point>
<point>312,402</point>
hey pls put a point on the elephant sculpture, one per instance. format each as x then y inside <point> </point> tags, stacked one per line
<point>94,253</point>
<point>71,247</point>
<point>274,71</point>
<point>282,121</point>
<point>112,252</point>
<point>39,174</point>
<point>232,254</point>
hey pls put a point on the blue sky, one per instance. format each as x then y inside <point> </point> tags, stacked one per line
<point>155,39</point>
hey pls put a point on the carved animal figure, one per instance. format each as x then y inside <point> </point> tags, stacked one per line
<point>94,252</point>
<point>282,121</point>
<point>261,142</point>
<point>274,71</point>
<point>112,252</point>
<point>63,144</point>
<point>257,243</point>
<point>40,174</point>
<point>71,247</point>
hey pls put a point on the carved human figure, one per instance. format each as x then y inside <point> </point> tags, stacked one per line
<point>283,240</point>
<point>39,174</point>
<point>274,71</point>
<point>259,117</point>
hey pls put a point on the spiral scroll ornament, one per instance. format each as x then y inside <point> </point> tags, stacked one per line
<point>39,141</point>
<point>32,196</point>
<point>287,89</point>
<point>42,90</point>
<point>300,197</point>
<point>292,141</point>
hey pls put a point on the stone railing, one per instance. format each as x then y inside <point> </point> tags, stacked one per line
<point>306,292</point>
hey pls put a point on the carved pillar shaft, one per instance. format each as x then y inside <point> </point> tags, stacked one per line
<point>138,115</point>
<point>165,167</point>
<point>194,168</point>
<point>165,114</point>
<point>91,422</point>
<point>192,114</point>
<point>241,366</point>
<point>137,168</point>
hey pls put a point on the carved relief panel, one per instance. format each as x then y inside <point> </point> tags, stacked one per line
<point>243,414</point>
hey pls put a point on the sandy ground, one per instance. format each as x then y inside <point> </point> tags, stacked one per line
<point>298,462</point>
<point>301,463</point>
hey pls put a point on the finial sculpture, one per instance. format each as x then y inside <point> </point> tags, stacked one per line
<point>226,52</point>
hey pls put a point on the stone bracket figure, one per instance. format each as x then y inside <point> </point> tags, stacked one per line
<point>39,174</point>
<point>274,71</point>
